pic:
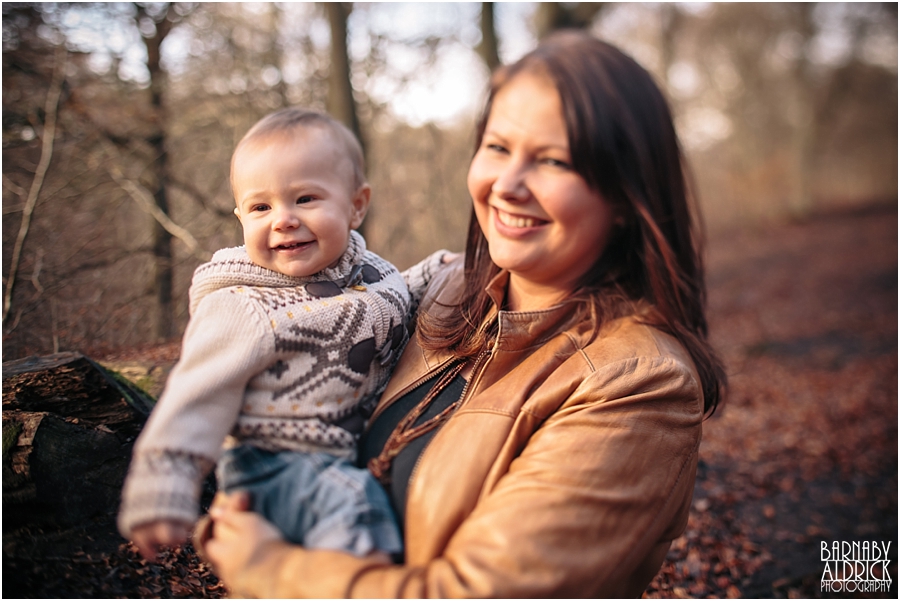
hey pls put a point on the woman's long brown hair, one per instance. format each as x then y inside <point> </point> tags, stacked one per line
<point>623,143</point>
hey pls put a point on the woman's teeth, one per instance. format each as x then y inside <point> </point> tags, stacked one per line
<point>516,221</point>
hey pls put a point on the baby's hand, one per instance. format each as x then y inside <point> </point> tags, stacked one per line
<point>152,536</point>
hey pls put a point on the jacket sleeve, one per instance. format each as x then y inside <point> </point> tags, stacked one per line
<point>602,484</point>
<point>226,343</point>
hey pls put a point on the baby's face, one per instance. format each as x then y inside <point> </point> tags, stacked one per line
<point>296,200</point>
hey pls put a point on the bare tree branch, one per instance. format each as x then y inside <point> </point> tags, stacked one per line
<point>205,201</point>
<point>145,201</point>
<point>47,136</point>
<point>17,190</point>
<point>36,273</point>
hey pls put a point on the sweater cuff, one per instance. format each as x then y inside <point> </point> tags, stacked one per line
<point>163,485</point>
<point>419,276</point>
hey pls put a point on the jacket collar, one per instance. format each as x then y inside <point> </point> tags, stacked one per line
<point>519,329</point>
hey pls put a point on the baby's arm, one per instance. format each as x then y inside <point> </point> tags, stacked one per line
<point>225,345</point>
<point>419,275</point>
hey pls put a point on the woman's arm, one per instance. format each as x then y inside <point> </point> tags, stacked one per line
<point>592,499</point>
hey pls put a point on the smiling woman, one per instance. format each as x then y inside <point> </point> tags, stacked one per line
<point>539,435</point>
<point>542,221</point>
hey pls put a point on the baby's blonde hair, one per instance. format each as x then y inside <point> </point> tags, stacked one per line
<point>290,119</point>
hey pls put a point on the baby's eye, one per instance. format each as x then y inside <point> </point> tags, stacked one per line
<point>259,207</point>
<point>305,199</point>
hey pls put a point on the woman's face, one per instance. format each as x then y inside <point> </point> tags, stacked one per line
<point>541,220</point>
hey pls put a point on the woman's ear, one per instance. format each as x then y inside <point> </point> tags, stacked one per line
<point>360,205</point>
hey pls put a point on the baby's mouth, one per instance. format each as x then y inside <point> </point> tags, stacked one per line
<point>292,245</point>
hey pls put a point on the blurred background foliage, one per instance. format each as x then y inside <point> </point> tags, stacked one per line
<point>119,121</point>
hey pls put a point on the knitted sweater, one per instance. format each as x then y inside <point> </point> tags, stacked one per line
<point>278,362</point>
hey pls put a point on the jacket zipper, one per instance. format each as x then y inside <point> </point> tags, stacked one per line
<point>477,369</point>
<point>399,394</point>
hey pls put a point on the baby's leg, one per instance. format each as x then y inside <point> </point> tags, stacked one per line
<point>315,500</point>
<point>262,476</point>
<point>352,512</point>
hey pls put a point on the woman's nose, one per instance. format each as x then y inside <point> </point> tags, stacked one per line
<point>510,182</point>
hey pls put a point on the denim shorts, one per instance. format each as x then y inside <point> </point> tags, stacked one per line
<point>315,499</point>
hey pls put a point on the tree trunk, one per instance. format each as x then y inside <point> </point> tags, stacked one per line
<point>341,104</point>
<point>340,92</point>
<point>68,429</point>
<point>488,48</point>
<point>162,239</point>
<point>275,53</point>
<point>551,16</point>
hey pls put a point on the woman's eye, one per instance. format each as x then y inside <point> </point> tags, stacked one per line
<point>557,163</point>
<point>495,147</point>
<point>304,199</point>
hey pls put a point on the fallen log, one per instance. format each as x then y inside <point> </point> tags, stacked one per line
<point>68,429</point>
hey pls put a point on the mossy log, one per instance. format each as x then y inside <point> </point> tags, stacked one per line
<point>68,429</point>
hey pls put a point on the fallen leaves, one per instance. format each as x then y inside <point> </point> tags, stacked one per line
<point>109,569</point>
<point>805,448</point>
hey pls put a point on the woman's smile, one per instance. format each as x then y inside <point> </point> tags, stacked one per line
<point>516,222</point>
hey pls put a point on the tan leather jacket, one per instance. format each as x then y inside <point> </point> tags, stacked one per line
<point>566,472</point>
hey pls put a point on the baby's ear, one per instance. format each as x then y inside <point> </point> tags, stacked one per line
<point>237,213</point>
<point>360,205</point>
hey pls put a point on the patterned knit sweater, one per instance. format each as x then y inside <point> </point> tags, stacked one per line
<point>278,362</point>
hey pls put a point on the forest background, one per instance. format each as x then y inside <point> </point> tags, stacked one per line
<point>119,121</point>
<point>118,125</point>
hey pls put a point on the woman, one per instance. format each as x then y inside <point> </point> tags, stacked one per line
<point>539,436</point>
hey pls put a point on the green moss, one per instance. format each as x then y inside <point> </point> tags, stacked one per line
<point>134,394</point>
<point>146,384</point>
<point>11,431</point>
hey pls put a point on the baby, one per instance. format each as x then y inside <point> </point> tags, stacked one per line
<point>291,338</point>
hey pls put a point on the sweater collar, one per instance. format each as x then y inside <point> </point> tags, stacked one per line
<point>233,267</point>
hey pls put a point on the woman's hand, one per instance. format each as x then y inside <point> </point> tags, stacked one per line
<point>240,540</point>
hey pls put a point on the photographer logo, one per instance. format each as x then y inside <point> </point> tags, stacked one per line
<point>855,567</point>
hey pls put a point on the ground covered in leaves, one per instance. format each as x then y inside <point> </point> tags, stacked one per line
<point>803,451</point>
<point>805,448</point>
